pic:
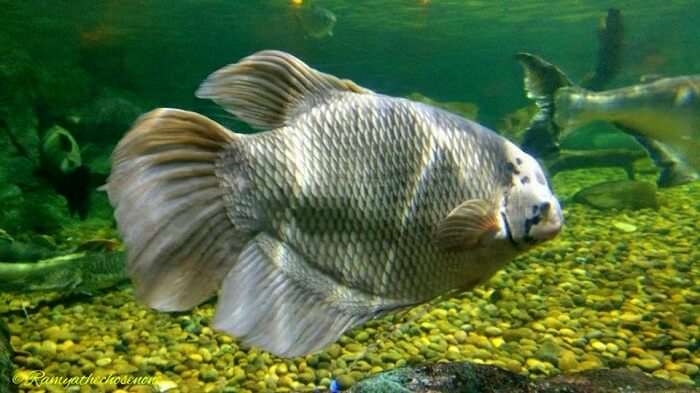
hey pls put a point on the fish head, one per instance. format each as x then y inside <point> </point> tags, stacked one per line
<point>530,210</point>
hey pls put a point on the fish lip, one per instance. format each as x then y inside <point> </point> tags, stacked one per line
<point>550,226</point>
<point>509,232</point>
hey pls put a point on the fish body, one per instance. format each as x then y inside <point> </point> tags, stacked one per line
<point>352,205</point>
<point>318,22</point>
<point>666,110</point>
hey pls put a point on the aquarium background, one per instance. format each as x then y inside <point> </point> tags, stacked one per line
<point>620,287</point>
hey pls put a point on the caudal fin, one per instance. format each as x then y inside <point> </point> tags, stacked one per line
<point>542,80</point>
<point>170,208</point>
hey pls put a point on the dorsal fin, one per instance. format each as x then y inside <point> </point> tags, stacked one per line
<point>269,88</point>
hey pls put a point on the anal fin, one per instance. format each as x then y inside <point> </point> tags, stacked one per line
<point>272,298</point>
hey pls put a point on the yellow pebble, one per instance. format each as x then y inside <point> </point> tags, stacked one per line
<point>567,360</point>
<point>497,341</point>
<point>65,346</point>
<point>588,365</point>
<point>282,369</point>
<point>598,346</point>
<point>567,332</point>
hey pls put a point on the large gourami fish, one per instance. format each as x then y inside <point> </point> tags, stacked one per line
<point>352,205</point>
<point>666,110</point>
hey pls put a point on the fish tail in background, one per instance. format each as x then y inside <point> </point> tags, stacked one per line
<point>170,206</point>
<point>542,81</point>
<point>610,51</point>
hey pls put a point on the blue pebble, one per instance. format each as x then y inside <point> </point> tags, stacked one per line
<point>334,387</point>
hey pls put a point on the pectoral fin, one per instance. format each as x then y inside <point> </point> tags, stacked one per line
<point>466,225</point>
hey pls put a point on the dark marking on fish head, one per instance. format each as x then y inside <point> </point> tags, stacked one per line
<point>510,167</point>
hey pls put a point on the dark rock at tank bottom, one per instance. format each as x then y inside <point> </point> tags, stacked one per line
<point>478,378</point>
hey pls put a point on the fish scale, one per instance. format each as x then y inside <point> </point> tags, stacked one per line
<point>344,157</point>
<point>351,205</point>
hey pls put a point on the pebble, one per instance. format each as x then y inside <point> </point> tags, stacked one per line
<point>598,346</point>
<point>345,381</point>
<point>205,354</point>
<point>611,347</point>
<point>566,332</point>
<point>352,347</point>
<point>625,227</point>
<point>307,376</point>
<point>362,336</point>
<point>391,356</point>
<point>209,374</point>
<point>460,336</point>
<point>48,348</point>
<point>648,364</point>
<point>164,385</point>
<point>103,362</point>
<point>567,361</point>
<point>493,331</point>
<point>34,363</point>
<point>57,334</point>
<point>587,313</point>
<point>589,365</point>
<point>680,353</point>
<point>479,341</point>
<point>630,317</point>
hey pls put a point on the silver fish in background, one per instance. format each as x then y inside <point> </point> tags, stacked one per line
<point>354,204</point>
<point>666,110</point>
<point>316,21</point>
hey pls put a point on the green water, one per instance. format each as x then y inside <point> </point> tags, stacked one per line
<point>618,288</point>
<point>449,50</point>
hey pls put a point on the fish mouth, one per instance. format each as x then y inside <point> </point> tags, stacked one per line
<point>508,230</point>
<point>550,224</point>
